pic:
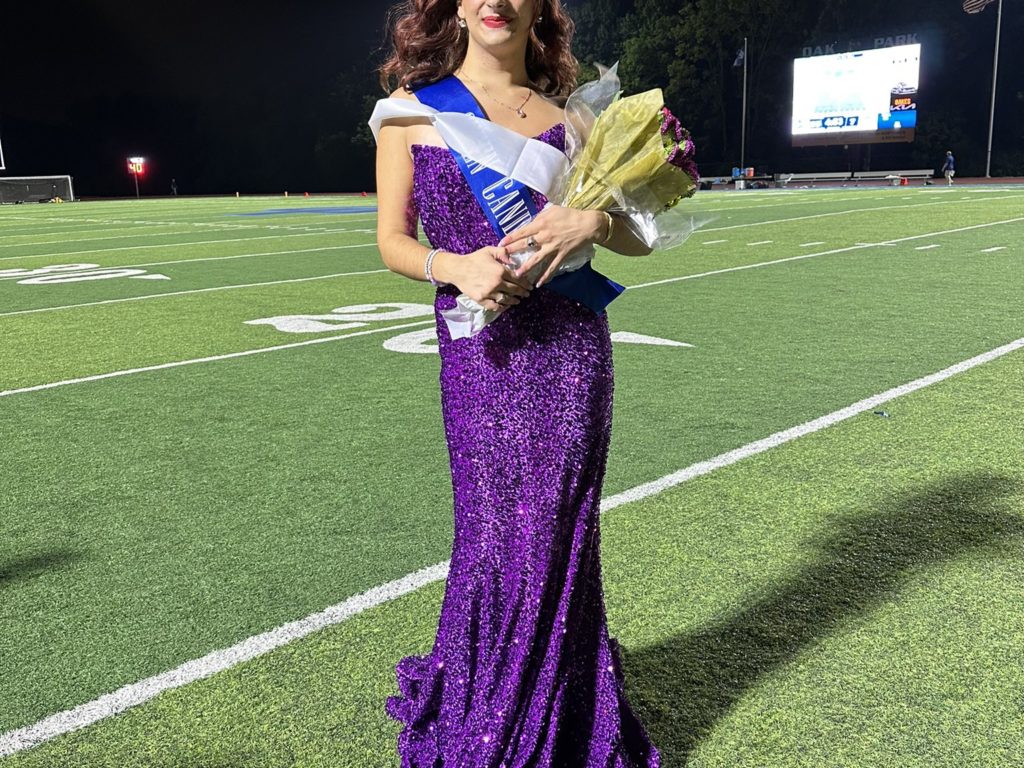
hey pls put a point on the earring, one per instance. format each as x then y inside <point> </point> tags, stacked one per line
<point>538,21</point>
<point>462,23</point>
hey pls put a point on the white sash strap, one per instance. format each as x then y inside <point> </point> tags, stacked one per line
<point>537,165</point>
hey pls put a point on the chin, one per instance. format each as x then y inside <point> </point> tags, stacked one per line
<point>491,37</point>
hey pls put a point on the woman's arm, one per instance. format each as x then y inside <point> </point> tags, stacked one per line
<point>559,231</point>
<point>481,275</point>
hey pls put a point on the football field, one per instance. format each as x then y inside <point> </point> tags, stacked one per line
<point>225,508</point>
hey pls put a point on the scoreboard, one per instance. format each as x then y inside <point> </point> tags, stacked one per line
<point>862,97</point>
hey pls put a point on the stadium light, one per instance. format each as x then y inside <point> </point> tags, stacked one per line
<point>136,167</point>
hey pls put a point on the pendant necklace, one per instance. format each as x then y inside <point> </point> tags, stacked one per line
<point>518,110</point>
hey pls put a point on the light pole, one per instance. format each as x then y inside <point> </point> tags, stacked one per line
<point>743,132</point>
<point>995,81</point>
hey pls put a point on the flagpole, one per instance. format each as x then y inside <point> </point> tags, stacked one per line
<point>995,80</point>
<point>743,133</point>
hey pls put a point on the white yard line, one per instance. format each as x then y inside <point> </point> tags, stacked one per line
<point>253,647</point>
<point>846,213</point>
<point>811,245</point>
<point>106,237</point>
<point>859,246</point>
<point>228,258</point>
<point>172,245</point>
<point>666,281</point>
<point>248,255</point>
<point>329,231</point>
<point>31,233</point>
<point>927,247</point>
<point>216,258</point>
<point>993,250</point>
<point>211,359</point>
<point>804,256</point>
<point>190,292</point>
<point>714,242</point>
<point>761,242</point>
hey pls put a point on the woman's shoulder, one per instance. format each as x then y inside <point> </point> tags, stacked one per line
<point>401,94</point>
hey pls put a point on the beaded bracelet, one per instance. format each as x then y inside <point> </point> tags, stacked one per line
<point>428,267</point>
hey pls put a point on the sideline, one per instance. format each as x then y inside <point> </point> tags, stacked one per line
<point>253,647</point>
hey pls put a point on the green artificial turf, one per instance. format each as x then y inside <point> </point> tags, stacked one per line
<point>150,519</point>
<point>771,613</point>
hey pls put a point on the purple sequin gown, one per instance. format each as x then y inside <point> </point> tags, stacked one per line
<point>523,673</point>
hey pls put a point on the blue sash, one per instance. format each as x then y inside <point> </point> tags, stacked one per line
<point>508,203</point>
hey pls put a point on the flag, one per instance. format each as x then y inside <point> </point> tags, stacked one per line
<point>740,56</point>
<point>976,6</point>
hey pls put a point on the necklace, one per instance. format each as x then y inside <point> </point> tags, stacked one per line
<point>518,110</point>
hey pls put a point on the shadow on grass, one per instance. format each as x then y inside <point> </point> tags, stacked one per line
<point>681,688</point>
<point>36,565</point>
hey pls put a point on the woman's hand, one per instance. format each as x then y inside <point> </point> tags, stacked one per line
<point>484,276</point>
<point>556,232</point>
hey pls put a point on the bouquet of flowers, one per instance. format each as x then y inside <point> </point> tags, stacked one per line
<point>628,156</point>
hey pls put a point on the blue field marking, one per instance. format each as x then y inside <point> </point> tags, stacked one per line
<point>290,211</point>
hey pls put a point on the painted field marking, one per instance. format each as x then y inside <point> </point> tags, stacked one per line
<point>214,225</point>
<point>170,245</point>
<point>851,210</point>
<point>189,292</point>
<point>927,247</point>
<point>254,255</point>
<point>237,256</point>
<point>666,281</point>
<point>811,245</point>
<point>328,231</point>
<point>32,232</point>
<point>105,237</point>
<point>761,242</point>
<point>993,250</point>
<point>211,359</point>
<point>714,242</point>
<point>134,694</point>
<point>804,256</point>
<point>242,255</point>
<point>628,337</point>
<point>809,199</point>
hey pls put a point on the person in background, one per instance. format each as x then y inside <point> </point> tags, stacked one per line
<point>174,187</point>
<point>949,168</point>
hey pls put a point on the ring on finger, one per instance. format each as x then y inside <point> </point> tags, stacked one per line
<point>499,298</point>
<point>531,242</point>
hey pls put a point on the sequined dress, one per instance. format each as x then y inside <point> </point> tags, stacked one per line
<point>523,673</point>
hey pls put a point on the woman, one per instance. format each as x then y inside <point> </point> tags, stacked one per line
<point>523,671</point>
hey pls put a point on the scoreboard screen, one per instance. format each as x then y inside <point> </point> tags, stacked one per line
<point>863,97</point>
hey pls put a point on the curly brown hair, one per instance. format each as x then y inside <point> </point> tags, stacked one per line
<point>427,45</point>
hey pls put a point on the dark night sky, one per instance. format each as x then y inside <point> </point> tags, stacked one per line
<point>254,96</point>
<point>87,82</point>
